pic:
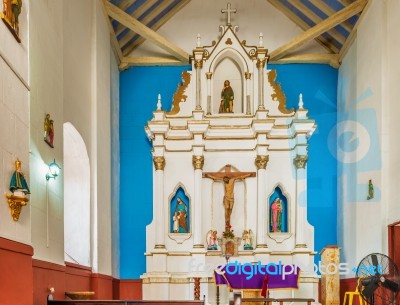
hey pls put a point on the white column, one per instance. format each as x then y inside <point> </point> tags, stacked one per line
<point>198,162</point>
<point>300,162</point>
<point>209,75</point>
<point>260,67</point>
<point>248,86</point>
<point>198,64</point>
<point>261,163</point>
<point>159,213</point>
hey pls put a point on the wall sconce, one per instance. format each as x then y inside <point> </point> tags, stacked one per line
<point>54,170</point>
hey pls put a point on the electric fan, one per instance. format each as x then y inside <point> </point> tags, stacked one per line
<point>378,279</point>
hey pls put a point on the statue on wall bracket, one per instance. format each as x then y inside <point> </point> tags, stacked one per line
<point>20,189</point>
<point>10,16</point>
<point>49,130</point>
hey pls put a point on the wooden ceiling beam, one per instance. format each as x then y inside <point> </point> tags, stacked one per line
<point>134,25</point>
<point>157,25</point>
<point>303,25</point>
<point>335,34</point>
<point>149,61</point>
<point>330,59</point>
<point>353,33</point>
<point>319,29</point>
<point>153,14</point>
<point>136,14</point>
<point>328,11</point>
<point>114,42</point>
<point>126,3</point>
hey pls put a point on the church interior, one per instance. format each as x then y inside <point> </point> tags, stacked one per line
<point>171,150</point>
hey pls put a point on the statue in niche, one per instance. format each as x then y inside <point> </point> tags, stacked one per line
<point>180,217</point>
<point>227,97</point>
<point>18,184</point>
<point>212,240</point>
<point>276,215</point>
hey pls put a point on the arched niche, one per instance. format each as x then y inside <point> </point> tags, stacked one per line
<point>76,170</point>
<point>180,215</point>
<point>278,208</point>
<point>228,65</point>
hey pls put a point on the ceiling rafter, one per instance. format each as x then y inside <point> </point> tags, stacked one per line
<point>157,25</point>
<point>136,14</point>
<point>153,14</point>
<point>330,59</point>
<point>303,25</point>
<point>353,33</point>
<point>149,61</point>
<point>114,42</point>
<point>335,34</point>
<point>136,26</point>
<point>328,11</point>
<point>126,3</point>
<point>319,29</point>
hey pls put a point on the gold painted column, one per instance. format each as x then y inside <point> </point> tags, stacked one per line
<point>209,75</point>
<point>198,163</point>
<point>248,87</point>
<point>158,194</point>
<point>261,163</point>
<point>300,162</point>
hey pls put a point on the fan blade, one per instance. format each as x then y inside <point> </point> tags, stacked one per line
<point>369,290</point>
<point>375,262</point>
<point>393,286</point>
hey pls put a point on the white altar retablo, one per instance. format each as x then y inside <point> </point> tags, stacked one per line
<point>208,131</point>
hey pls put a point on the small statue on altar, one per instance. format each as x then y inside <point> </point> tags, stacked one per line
<point>248,240</point>
<point>212,240</point>
<point>276,215</point>
<point>176,222</point>
<point>18,184</point>
<point>227,97</point>
<point>180,217</point>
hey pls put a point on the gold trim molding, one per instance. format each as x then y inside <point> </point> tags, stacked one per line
<point>159,162</point>
<point>262,161</point>
<point>16,203</point>
<point>198,162</point>
<point>209,75</point>
<point>278,94</point>
<point>198,63</point>
<point>300,161</point>
<point>247,75</point>
<point>261,62</point>
<point>179,95</point>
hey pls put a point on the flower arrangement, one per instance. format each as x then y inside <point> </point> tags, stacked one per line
<point>228,233</point>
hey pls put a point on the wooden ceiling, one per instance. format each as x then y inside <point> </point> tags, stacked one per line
<point>332,23</point>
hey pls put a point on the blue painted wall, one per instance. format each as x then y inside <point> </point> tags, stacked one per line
<point>139,87</point>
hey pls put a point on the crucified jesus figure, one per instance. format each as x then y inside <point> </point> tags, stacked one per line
<point>229,179</point>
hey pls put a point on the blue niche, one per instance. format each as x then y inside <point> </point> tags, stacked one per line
<point>180,212</point>
<point>278,212</point>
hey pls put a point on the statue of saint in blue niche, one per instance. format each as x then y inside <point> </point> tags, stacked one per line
<point>180,216</point>
<point>278,212</point>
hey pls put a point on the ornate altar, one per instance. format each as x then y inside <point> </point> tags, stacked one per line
<point>237,158</point>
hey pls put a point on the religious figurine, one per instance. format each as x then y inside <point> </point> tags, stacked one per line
<point>248,240</point>
<point>18,184</point>
<point>229,179</point>
<point>10,16</point>
<point>370,190</point>
<point>212,240</point>
<point>48,130</point>
<point>180,217</point>
<point>276,215</point>
<point>226,98</point>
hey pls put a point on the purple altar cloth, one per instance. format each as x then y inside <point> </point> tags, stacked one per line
<point>257,276</point>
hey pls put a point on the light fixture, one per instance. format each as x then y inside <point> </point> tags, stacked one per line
<point>54,170</point>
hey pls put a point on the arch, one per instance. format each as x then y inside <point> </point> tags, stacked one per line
<point>278,206</point>
<point>76,197</point>
<point>230,65</point>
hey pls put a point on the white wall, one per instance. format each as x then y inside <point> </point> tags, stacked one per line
<point>368,105</point>
<point>14,122</point>
<point>252,17</point>
<point>70,73</point>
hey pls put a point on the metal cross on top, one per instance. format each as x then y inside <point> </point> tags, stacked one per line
<point>228,10</point>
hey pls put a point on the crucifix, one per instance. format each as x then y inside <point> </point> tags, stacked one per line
<point>229,178</point>
<point>228,10</point>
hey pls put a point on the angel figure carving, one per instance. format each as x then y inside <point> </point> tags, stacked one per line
<point>212,240</point>
<point>248,240</point>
